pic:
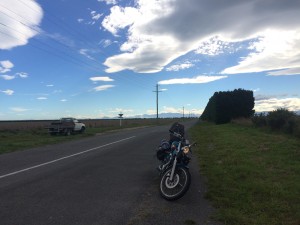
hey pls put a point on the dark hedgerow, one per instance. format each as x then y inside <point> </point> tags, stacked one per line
<point>259,120</point>
<point>224,106</point>
<point>282,119</point>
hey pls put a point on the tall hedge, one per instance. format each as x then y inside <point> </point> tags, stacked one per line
<point>226,105</point>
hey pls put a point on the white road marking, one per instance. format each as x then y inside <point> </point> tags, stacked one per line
<point>62,158</point>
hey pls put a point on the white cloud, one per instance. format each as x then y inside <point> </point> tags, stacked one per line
<point>5,66</point>
<point>120,18</point>
<point>167,109</point>
<point>105,43</point>
<point>21,23</point>
<point>8,92</point>
<point>122,110</point>
<point>194,112</point>
<point>95,79</point>
<point>22,75</point>
<point>292,71</point>
<point>7,77</point>
<point>11,77</point>
<point>95,16</point>
<point>214,46</point>
<point>151,111</point>
<point>178,67</point>
<point>274,50</point>
<point>265,105</point>
<point>109,2</point>
<point>85,52</point>
<point>187,112</point>
<point>157,32</point>
<point>103,87</point>
<point>19,109</point>
<point>63,100</point>
<point>41,98</point>
<point>194,80</point>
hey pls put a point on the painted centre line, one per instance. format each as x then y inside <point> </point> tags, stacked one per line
<point>65,157</point>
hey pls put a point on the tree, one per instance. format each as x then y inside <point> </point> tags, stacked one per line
<point>225,106</point>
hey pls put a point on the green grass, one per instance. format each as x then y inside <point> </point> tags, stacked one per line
<point>14,140</point>
<point>253,176</point>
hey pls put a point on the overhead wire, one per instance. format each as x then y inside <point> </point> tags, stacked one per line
<point>63,57</point>
<point>85,39</point>
<point>43,47</point>
<point>139,84</point>
<point>82,37</point>
<point>75,61</point>
<point>56,51</point>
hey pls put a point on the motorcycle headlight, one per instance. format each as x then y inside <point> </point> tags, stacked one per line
<point>186,149</point>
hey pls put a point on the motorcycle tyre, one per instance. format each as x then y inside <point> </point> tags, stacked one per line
<point>182,192</point>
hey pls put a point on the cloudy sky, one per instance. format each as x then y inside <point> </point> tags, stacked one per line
<point>97,58</point>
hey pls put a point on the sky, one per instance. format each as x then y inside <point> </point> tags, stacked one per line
<point>98,58</point>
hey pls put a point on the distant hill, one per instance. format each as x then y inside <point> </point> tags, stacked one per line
<point>167,115</point>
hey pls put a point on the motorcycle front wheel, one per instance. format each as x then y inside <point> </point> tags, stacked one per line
<point>176,188</point>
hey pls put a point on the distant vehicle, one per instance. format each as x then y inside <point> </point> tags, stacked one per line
<point>66,126</point>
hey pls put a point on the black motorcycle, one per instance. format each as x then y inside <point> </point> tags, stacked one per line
<point>175,177</point>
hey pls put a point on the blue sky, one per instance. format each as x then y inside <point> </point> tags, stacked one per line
<point>97,58</point>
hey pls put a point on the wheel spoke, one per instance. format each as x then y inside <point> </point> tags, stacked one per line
<point>176,188</point>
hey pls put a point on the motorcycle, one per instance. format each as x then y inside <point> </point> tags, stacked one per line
<point>175,178</point>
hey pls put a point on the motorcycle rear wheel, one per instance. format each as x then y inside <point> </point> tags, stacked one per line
<point>175,189</point>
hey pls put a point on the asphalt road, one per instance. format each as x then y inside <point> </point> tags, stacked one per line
<point>106,179</point>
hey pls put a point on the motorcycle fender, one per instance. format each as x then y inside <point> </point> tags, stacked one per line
<point>170,166</point>
<point>182,165</point>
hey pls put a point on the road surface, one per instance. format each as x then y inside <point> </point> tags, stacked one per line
<point>106,179</point>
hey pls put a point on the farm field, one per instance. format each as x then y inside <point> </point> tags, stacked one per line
<point>19,135</point>
<point>90,123</point>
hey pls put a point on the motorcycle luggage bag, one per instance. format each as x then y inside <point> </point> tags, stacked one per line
<point>163,150</point>
<point>178,128</point>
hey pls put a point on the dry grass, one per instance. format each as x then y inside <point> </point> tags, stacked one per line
<point>242,121</point>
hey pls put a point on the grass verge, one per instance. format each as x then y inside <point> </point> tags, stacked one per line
<point>13,140</point>
<point>253,176</point>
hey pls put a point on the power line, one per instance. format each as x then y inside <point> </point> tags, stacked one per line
<point>58,52</point>
<point>55,52</point>
<point>39,32</point>
<point>62,25</point>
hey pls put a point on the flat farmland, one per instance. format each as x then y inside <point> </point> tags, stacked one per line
<point>20,135</point>
<point>90,123</point>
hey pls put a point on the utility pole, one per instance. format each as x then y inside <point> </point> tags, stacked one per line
<point>183,112</point>
<point>157,91</point>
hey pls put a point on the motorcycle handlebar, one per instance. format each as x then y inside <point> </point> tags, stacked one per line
<point>175,134</point>
<point>179,136</point>
<point>194,144</point>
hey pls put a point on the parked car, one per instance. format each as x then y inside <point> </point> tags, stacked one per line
<point>66,126</point>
